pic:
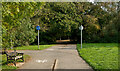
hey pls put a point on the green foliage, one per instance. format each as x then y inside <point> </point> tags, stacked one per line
<point>109,32</point>
<point>100,55</point>
<point>62,20</point>
<point>16,21</point>
<point>25,33</point>
<point>58,20</point>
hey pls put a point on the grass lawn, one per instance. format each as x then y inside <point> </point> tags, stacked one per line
<point>101,56</point>
<point>5,67</point>
<point>33,47</point>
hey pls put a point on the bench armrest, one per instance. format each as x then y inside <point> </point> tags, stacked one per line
<point>10,55</point>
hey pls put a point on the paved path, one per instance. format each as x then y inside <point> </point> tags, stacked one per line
<point>66,57</point>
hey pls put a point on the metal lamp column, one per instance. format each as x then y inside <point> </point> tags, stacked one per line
<point>81,28</point>
<point>38,28</point>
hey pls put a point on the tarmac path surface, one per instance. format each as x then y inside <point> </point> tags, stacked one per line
<point>56,57</point>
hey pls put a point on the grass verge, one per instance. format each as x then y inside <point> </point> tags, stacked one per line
<point>101,56</point>
<point>33,47</point>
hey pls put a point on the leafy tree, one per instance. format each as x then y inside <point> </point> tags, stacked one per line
<point>63,19</point>
<point>59,20</point>
<point>13,15</point>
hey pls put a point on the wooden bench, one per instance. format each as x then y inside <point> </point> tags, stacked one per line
<point>14,56</point>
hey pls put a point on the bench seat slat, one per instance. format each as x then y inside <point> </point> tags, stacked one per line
<point>17,57</point>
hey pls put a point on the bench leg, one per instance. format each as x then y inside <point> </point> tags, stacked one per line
<point>8,62</point>
<point>7,58</point>
<point>22,58</point>
<point>14,62</point>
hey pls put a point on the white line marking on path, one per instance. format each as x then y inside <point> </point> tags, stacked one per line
<point>50,49</point>
<point>41,61</point>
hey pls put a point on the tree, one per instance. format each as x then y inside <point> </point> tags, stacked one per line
<point>13,14</point>
<point>59,20</point>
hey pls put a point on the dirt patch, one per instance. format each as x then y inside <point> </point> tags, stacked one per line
<point>18,64</point>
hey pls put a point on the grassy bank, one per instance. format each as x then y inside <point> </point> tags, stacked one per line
<point>33,47</point>
<point>101,56</point>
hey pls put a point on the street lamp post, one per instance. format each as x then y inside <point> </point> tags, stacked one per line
<point>81,28</point>
<point>38,39</point>
<point>38,28</point>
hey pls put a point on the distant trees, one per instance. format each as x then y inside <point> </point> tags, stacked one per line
<point>58,20</point>
<point>63,19</point>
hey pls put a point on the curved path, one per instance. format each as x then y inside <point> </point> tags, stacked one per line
<point>59,57</point>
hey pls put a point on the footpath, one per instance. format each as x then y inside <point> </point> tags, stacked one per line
<point>55,58</point>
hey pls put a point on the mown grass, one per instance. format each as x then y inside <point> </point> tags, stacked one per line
<point>33,47</point>
<point>101,56</point>
<point>5,67</point>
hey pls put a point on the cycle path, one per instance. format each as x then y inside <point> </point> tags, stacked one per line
<point>57,57</point>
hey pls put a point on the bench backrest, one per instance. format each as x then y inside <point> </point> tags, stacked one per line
<point>11,53</point>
